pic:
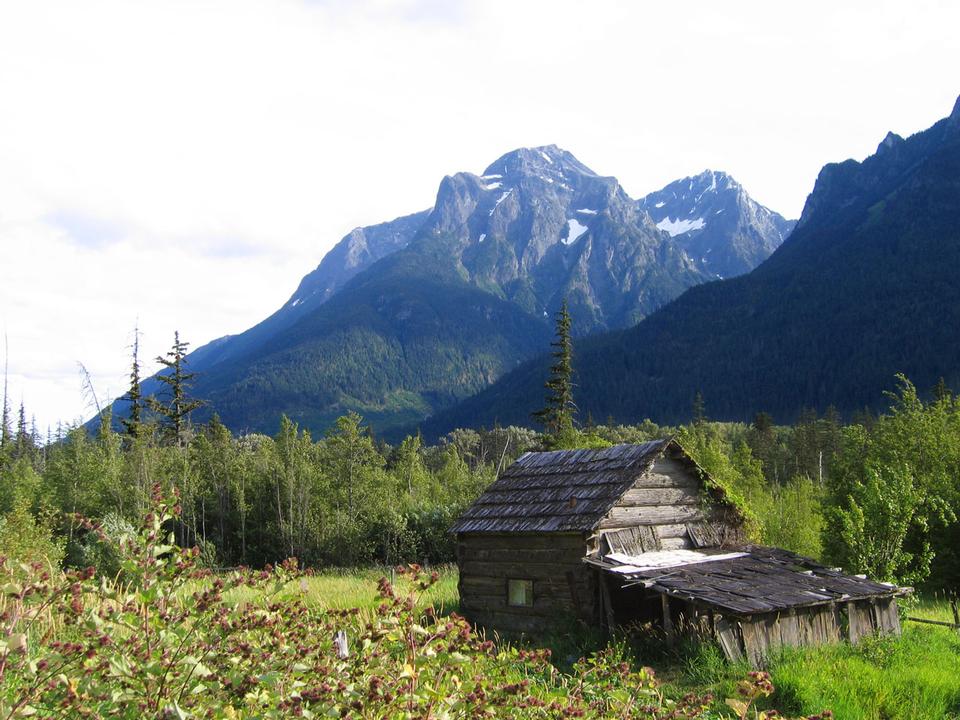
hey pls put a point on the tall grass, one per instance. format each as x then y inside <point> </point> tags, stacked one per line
<point>345,588</point>
<point>915,677</point>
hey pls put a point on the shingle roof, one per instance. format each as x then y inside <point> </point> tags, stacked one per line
<point>559,491</point>
<point>761,579</point>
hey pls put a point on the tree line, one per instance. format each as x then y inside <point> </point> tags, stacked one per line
<point>877,494</point>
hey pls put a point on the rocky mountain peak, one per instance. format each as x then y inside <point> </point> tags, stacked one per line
<point>722,229</point>
<point>953,121</point>
<point>546,160</point>
<point>891,140</point>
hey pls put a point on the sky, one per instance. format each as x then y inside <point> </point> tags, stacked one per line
<point>181,165</point>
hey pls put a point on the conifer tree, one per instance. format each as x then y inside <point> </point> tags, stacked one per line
<point>5,431</point>
<point>132,423</point>
<point>175,414</point>
<point>557,413</point>
<point>941,392</point>
<point>699,410</point>
<point>22,441</point>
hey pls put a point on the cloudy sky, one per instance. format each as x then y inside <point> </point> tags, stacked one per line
<point>182,164</point>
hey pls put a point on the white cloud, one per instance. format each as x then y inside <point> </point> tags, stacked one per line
<point>187,162</point>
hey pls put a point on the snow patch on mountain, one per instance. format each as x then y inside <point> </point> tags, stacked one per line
<point>502,197</point>
<point>678,226</point>
<point>574,231</point>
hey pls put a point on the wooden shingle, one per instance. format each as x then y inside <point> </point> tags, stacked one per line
<point>560,491</point>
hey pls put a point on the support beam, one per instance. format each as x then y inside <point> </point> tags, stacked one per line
<point>669,631</point>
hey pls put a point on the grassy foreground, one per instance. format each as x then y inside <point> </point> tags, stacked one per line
<point>916,677</point>
<point>175,642</point>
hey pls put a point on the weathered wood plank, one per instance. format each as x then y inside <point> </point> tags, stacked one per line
<point>542,604</point>
<point>705,534</point>
<point>654,479</point>
<point>730,640</point>
<point>566,555</point>
<point>886,616</point>
<point>549,541</point>
<point>520,569</point>
<point>672,531</point>
<point>789,629</point>
<point>669,629</point>
<point>753,644</point>
<point>511,622</point>
<point>675,543</point>
<point>619,517</point>
<point>659,496</point>
<point>859,621</point>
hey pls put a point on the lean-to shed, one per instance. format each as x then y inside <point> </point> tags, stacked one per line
<point>639,534</point>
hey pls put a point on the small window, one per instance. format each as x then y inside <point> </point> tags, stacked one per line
<point>520,593</point>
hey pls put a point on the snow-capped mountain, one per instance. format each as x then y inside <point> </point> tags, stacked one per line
<point>407,317</point>
<point>723,229</point>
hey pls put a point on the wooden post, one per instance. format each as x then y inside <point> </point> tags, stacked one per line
<point>606,604</point>
<point>668,629</point>
<point>956,612</point>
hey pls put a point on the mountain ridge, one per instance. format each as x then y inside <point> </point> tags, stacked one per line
<point>407,317</point>
<point>861,290</point>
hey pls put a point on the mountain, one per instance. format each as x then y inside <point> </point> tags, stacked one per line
<point>717,223</point>
<point>409,317</point>
<point>539,226</point>
<point>362,247</point>
<point>865,287</point>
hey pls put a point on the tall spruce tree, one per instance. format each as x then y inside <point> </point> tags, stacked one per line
<point>699,410</point>
<point>23,443</point>
<point>5,431</point>
<point>175,413</point>
<point>133,422</point>
<point>558,411</point>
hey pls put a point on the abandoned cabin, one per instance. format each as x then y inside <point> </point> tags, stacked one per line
<point>640,536</point>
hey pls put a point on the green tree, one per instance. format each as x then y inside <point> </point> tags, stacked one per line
<point>133,422</point>
<point>557,414</point>
<point>354,469</point>
<point>892,489</point>
<point>5,431</point>
<point>699,409</point>
<point>795,521</point>
<point>175,412</point>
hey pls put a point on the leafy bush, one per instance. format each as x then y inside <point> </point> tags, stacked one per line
<point>27,539</point>
<point>166,643</point>
<point>101,550</point>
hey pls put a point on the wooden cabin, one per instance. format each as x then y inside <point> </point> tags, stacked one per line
<point>640,536</point>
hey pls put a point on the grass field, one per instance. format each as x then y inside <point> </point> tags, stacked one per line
<point>916,677</point>
<point>340,589</point>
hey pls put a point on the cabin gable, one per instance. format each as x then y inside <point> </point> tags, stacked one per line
<point>669,507</point>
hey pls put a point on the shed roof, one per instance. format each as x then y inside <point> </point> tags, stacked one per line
<point>559,491</point>
<point>758,580</point>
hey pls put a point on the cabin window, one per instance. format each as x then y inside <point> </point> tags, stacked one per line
<point>520,593</point>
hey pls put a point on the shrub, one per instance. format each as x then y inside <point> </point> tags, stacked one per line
<point>27,539</point>
<point>165,643</point>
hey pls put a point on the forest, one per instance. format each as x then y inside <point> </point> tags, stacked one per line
<point>874,495</point>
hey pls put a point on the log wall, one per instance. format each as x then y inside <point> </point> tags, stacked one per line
<point>564,587</point>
